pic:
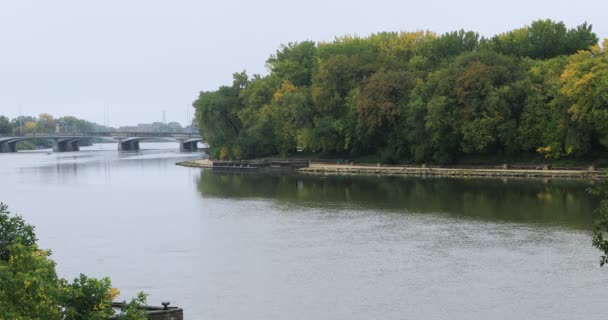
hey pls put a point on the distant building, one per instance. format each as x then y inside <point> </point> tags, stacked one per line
<point>171,127</point>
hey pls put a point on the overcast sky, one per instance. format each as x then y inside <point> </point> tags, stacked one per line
<point>141,57</point>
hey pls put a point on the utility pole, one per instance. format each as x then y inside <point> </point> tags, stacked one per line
<point>186,125</point>
<point>20,121</point>
<point>106,116</point>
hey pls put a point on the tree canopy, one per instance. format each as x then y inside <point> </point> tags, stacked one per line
<point>47,123</point>
<point>5,125</point>
<point>419,97</point>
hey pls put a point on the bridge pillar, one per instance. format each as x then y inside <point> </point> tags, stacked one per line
<point>8,146</point>
<point>188,146</point>
<point>56,145</point>
<point>65,145</point>
<point>129,145</point>
<point>73,145</point>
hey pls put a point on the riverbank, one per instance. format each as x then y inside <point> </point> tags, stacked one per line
<point>202,163</point>
<point>346,169</point>
<point>336,169</point>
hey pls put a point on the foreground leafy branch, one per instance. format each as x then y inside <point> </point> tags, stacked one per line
<point>600,240</point>
<point>31,289</point>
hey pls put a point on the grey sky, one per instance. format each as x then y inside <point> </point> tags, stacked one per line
<point>139,57</point>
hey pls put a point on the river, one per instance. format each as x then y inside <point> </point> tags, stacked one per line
<point>289,247</point>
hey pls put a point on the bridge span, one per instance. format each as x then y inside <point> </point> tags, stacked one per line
<point>127,141</point>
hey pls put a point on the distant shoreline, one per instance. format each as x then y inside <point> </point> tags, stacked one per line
<point>347,170</point>
<point>328,169</point>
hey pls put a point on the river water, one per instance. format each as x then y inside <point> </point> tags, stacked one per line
<point>288,247</point>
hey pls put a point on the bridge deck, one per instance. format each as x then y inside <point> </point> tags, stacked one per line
<point>126,140</point>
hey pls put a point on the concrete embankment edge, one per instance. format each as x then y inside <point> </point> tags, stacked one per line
<point>196,163</point>
<point>562,174</point>
<point>317,169</point>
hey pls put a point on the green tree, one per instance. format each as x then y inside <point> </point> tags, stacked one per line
<point>418,97</point>
<point>414,127</point>
<point>88,298</point>
<point>546,125</point>
<point>600,238</point>
<point>580,38</point>
<point>217,114</point>
<point>134,309</point>
<point>70,124</point>
<point>289,110</point>
<point>585,85</point>
<point>31,289</point>
<point>5,125</point>
<point>13,230</point>
<point>471,105</point>
<point>453,44</point>
<point>544,39</point>
<point>29,286</point>
<point>378,105</point>
<point>485,89</point>
<point>46,123</point>
<point>19,123</point>
<point>295,63</point>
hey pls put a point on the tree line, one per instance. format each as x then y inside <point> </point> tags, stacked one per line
<point>419,97</point>
<point>46,123</point>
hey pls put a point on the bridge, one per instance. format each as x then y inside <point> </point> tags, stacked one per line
<point>127,141</point>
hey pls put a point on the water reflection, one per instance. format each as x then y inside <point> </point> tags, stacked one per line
<point>555,202</point>
<point>301,247</point>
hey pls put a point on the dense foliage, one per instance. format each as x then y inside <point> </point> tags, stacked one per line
<point>600,236</point>
<point>419,97</point>
<point>31,289</point>
<point>46,123</point>
<point>5,125</point>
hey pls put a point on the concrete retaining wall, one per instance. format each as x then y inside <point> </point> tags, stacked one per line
<point>346,170</point>
<point>156,313</point>
<point>174,314</point>
<point>503,171</point>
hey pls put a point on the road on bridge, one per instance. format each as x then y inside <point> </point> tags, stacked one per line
<point>127,141</point>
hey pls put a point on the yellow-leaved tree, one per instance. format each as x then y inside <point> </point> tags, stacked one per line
<point>585,84</point>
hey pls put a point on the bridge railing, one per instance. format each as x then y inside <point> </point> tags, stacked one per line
<point>41,134</point>
<point>106,134</point>
<point>146,134</point>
